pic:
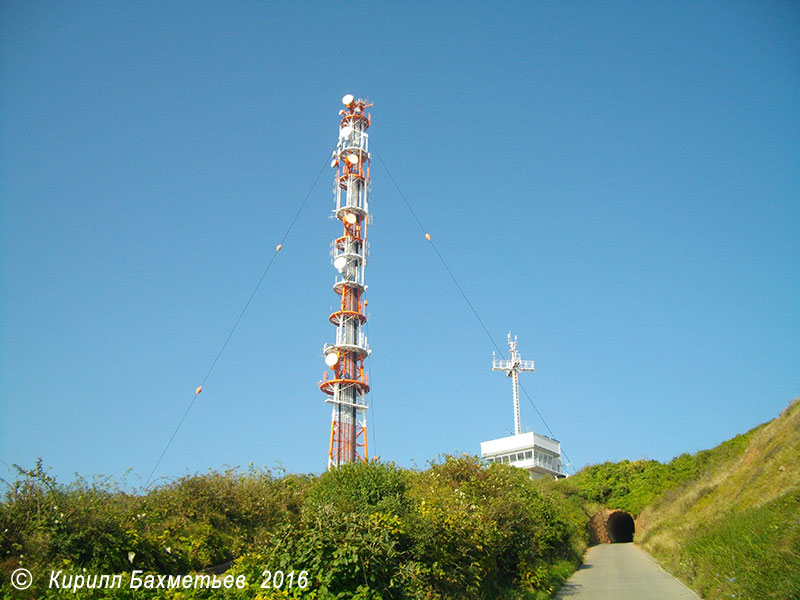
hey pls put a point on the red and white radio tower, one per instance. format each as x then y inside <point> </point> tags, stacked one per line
<point>348,384</point>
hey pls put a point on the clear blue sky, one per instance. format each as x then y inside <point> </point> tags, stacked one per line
<point>618,183</point>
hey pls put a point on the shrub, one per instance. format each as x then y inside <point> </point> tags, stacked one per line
<point>365,531</point>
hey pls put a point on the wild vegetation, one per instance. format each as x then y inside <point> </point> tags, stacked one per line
<point>634,485</point>
<point>734,531</point>
<point>455,530</point>
<point>726,520</point>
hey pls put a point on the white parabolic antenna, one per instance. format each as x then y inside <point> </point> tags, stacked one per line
<point>345,131</point>
<point>339,263</point>
<point>350,218</point>
<point>353,159</point>
<point>331,359</point>
<point>347,100</point>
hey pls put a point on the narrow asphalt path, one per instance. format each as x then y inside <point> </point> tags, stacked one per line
<point>622,572</point>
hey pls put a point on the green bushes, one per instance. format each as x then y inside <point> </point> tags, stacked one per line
<point>367,531</point>
<point>360,487</point>
<point>457,530</point>
<point>631,485</point>
<point>634,485</point>
<point>349,534</point>
<point>480,531</point>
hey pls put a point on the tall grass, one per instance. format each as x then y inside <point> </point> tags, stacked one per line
<point>748,554</point>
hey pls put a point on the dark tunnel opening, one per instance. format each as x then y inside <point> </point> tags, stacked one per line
<point>620,527</point>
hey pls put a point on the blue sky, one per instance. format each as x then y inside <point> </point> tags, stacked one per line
<point>616,183</point>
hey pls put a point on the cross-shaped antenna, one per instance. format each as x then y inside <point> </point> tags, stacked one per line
<point>512,368</point>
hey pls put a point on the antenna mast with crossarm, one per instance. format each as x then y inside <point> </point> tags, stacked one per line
<point>512,367</point>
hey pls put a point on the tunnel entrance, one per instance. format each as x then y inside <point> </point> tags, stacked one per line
<point>620,527</point>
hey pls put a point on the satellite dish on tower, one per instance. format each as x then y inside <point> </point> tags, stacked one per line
<point>331,358</point>
<point>339,263</point>
<point>347,100</point>
<point>353,159</point>
<point>350,218</point>
<point>345,131</point>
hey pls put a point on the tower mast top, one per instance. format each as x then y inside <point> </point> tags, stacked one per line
<point>512,368</point>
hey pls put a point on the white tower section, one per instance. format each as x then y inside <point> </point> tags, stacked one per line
<point>512,367</point>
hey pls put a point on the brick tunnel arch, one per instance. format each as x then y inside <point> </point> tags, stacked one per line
<point>620,527</point>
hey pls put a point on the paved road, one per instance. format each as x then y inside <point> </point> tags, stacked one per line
<point>623,572</point>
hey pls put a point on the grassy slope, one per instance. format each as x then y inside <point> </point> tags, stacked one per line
<point>725,520</point>
<point>734,531</point>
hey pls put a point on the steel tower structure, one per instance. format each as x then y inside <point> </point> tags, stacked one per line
<point>348,384</point>
<point>512,367</point>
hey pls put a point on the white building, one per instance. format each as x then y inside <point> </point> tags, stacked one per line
<point>537,454</point>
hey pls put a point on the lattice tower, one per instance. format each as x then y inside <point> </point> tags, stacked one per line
<point>346,383</point>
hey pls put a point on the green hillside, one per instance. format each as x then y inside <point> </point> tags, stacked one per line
<point>726,520</point>
<point>734,531</point>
